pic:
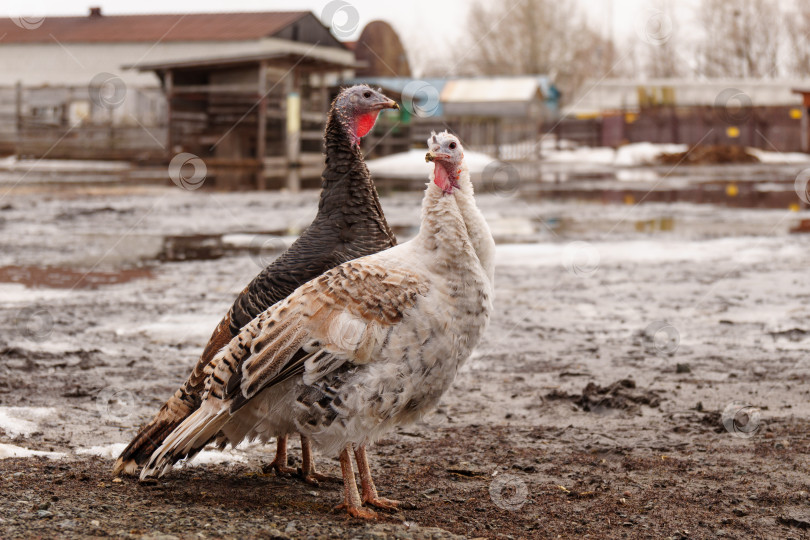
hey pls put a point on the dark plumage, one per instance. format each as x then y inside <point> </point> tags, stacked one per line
<point>349,224</point>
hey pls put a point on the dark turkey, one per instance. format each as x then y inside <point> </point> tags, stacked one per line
<point>350,224</point>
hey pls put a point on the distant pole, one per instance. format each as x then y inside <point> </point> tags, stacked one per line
<point>168,84</point>
<point>805,122</point>
<point>261,131</point>
<point>18,106</point>
<point>293,133</point>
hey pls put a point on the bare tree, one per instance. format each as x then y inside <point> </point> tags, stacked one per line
<point>658,41</point>
<point>534,37</point>
<point>797,25</point>
<point>739,38</point>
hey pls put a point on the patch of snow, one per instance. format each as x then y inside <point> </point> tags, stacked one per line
<point>205,457</point>
<point>779,157</point>
<point>11,163</point>
<point>17,293</point>
<point>747,250</point>
<point>637,175</point>
<point>109,451</point>
<point>511,226</point>
<point>12,451</point>
<point>644,153</point>
<point>412,164</point>
<point>214,457</point>
<point>23,420</point>
<point>257,240</point>
<point>588,155</point>
<point>190,328</point>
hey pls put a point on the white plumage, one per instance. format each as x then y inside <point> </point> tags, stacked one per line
<point>369,345</point>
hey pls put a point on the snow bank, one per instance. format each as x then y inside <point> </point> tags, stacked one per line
<point>214,457</point>
<point>779,157</point>
<point>412,164</point>
<point>11,163</point>
<point>12,451</point>
<point>205,457</point>
<point>631,155</point>
<point>644,153</point>
<point>187,328</point>
<point>109,451</point>
<point>23,420</point>
<point>743,250</point>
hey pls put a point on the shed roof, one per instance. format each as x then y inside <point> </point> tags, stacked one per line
<point>623,94</point>
<point>148,28</point>
<point>311,59</point>
<point>489,90</point>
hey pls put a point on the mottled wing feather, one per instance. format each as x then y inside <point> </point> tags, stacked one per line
<point>340,317</point>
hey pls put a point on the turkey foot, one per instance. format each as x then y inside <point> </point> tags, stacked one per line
<point>369,489</point>
<point>279,464</point>
<point>351,497</point>
<point>307,471</point>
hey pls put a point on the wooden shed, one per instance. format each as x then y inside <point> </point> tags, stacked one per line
<point>255,119</point>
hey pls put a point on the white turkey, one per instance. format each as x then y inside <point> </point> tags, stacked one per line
<point>371,344</point>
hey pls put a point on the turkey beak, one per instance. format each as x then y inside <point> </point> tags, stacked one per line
<point>430,156</point>
<point>386,104</point>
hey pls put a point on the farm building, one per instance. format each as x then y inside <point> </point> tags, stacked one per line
<point>759,113</point>
<point>486,112</point>
<point>145,87</point>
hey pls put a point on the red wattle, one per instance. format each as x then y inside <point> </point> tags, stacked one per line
<point>441,178</point>
<point>365,122</point>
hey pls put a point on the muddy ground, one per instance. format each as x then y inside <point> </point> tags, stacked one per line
<point>645,374</point>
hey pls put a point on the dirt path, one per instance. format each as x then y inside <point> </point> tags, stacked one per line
<point>645,374</point>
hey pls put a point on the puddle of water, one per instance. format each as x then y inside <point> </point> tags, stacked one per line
<point>69,278</point>
<point>207,247</point>
<point>761,186</point>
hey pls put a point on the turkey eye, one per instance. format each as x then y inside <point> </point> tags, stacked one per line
<point>367,95</point>
<point>452,146</point>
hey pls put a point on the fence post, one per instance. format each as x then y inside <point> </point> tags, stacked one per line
<point>18,113</point>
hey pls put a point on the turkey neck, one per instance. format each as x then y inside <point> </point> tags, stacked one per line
<point>348,192</point>
<point>477,227</point>
<point>443,233</point>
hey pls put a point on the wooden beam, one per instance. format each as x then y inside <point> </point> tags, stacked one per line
<point>261,132</point>
<point>168,87</point>
<point>293,133</point>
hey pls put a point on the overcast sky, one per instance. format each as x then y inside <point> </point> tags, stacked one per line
<point>440,21</point>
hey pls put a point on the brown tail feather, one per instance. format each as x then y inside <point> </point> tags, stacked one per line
<point>151,436</point>
<point>180,406</point>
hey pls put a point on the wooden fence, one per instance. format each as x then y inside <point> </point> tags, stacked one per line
<point>769,128</point>
<point>68,123</point>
